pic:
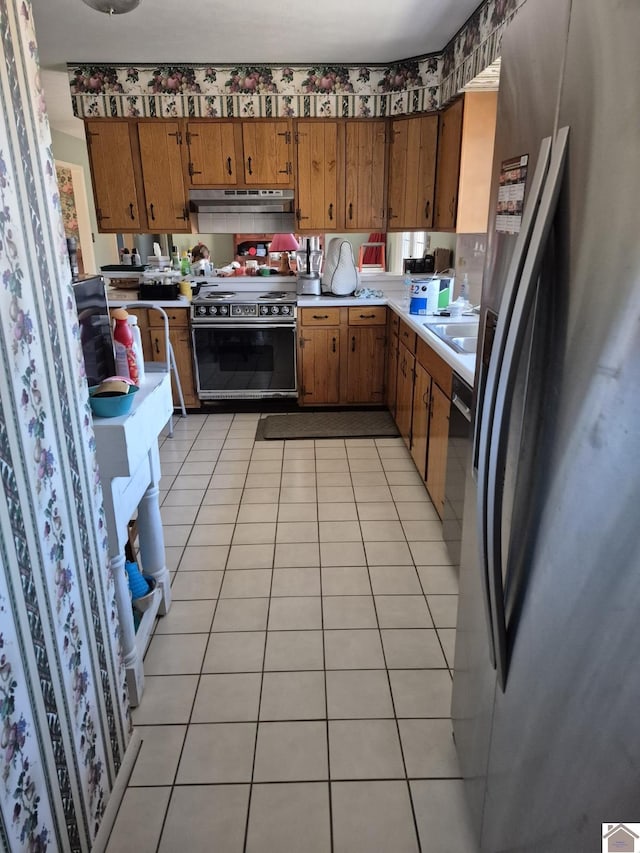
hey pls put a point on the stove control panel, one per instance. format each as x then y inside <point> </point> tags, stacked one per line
<point>244,310</point>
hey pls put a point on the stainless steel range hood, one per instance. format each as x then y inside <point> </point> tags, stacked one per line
<point>241,201</point>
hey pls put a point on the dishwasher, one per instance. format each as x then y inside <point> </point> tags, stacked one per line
<point>458,451</point>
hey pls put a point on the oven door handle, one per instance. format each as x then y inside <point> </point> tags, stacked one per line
<point>258,325</point>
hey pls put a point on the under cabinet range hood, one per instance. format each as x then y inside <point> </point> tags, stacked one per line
<point>241,201</point>
<point>243,211</point>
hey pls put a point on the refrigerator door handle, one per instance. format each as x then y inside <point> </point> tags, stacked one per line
<point>485,417</point>
<point>504,392</point>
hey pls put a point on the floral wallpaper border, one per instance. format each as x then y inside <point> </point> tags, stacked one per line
<point>404,87</point>
<point>64,715</point>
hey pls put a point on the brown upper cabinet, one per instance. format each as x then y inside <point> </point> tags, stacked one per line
<point>161,158</point>
<point>110,147</point>
<point>412,172</point>
<point>253,153</point>
<point>365,207</point>
<point>212,147</point>
<point>137,175</point>
<point>317,175</point>
<point>340,175</point>
<point>448,171</point>
<point>267,149</point>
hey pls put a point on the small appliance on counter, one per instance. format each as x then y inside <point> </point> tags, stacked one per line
<point>419,265</point>
<point>340,275</point>
<point>309,263</point>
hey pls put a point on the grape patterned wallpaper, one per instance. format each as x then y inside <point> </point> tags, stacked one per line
<point>296,91</point>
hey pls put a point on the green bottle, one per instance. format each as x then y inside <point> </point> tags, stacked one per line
<point>185,266</point>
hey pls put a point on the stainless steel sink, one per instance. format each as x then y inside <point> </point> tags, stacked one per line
<point>461,337</point>
<point>454,330</point>
<point>465,344</point>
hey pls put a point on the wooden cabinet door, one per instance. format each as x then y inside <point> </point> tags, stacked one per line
<point>113,176</point>
<point>319,358</point>
<point>392,373</point>
<point>420,418</point>
<point>267,152</point>
<point>448,171</point>
<point>404,392</point>
<point>438,441</point>
<point>180,340</point>
<point>161,155</point>
<point>212,153</point>
<point>365,208</point>
<point>412,170</point>
<point>317,175</point>
<point>365,364</point>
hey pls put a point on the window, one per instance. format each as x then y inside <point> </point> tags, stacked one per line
<point>414,244</point>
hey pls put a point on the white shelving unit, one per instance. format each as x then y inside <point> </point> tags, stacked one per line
<point>129,462</point>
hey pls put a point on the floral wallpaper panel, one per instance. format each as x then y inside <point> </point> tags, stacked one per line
<point>64,713</point>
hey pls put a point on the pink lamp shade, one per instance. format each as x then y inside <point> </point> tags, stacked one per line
<point>283,243</point>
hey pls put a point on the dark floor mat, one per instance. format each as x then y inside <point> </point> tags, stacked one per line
<point>352,424</point>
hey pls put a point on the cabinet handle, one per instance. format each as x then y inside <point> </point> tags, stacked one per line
<point>100,216</point>
<point>350,210</point>
<point>427,209</point>
<point>391,214</point>
<point>178,137</point>
<point>333,345</point>
<point>286,171</point>
<point>193,171</point>
<point>425,399</point>
<point>131,214</point>
<point>367,316</point>
<point>249,162</point>
<point>155,340</point>
<point>153,217</point>
<point>353,343</point>
<point>299,215</point>
<point>451,203</point>
<point>320,316</point>
<point>287,136</point>
<point>185,214</point>
<point>330,211</point>
<point>229,170</point>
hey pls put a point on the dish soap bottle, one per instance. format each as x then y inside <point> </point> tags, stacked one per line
<point>185,265</point>
<point>175,259</point>
<point>464,288</point>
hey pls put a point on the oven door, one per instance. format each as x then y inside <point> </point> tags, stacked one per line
<point>245,361</point>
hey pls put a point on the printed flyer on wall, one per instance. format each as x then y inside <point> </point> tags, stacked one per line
<point>513,178</point>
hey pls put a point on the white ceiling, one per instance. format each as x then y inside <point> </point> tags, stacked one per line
<point>239,32</point>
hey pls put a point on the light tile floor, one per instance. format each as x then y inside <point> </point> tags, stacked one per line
<point>298,693</point>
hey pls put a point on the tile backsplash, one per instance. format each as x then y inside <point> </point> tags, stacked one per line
<point>471,250</point>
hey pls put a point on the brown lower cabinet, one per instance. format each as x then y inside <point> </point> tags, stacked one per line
<point>151,326</point>
<point>341,355</point>
<point>422,402</point>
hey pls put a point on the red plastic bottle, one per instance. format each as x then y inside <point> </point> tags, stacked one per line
<point>126,364</point>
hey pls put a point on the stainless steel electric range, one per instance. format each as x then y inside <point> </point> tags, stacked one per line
<point>244,343</point>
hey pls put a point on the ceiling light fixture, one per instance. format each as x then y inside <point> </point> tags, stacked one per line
<point>112,7</point>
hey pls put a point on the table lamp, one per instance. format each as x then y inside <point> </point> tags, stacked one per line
<point>284,243</point>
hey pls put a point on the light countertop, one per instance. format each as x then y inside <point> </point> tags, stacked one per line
<point>392,295</point>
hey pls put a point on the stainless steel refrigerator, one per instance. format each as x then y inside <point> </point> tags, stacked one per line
<point>546,693</point>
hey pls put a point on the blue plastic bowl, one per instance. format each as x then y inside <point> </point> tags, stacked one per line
<point>111,407</point>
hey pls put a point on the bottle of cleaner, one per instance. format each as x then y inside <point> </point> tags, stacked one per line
<point>123,345</point>
<point>132,320</point>
<point>185,265</point>
<point>464,288</point>
<point>175,259</point>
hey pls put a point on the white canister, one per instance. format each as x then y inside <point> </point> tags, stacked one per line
<point>132,320</point>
